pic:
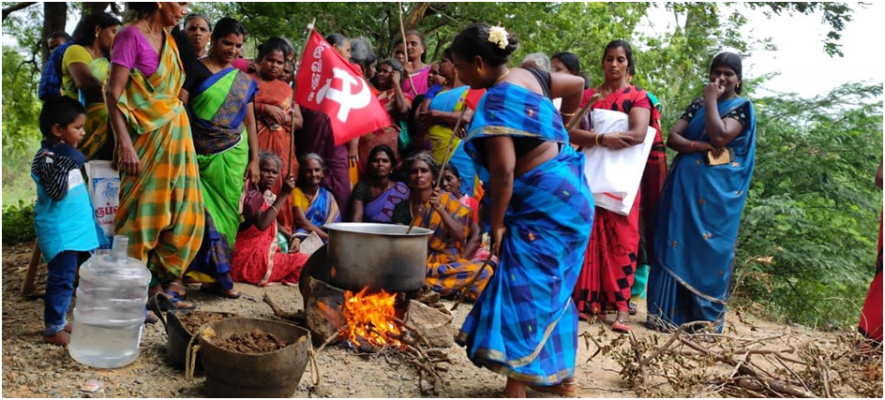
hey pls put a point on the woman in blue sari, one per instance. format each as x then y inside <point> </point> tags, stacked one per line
<point>701,203</point>
<point>524,324</point>
<point>220,104</point>
<point>443,111</point>
<point>313,205</point>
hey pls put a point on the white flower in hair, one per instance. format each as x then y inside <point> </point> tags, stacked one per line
<point>498,36</point>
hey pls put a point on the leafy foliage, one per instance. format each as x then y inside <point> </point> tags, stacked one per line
<point>18,223</point>
<point>20,104</point>
<point>808,235</point>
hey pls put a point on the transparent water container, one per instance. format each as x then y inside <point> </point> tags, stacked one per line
<point>110,308</point>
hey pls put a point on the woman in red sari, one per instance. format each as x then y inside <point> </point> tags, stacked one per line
<point>607,277</point>
<point>274,108</point>
<point>870,325</point>
<point>389,79</point>
<point>257,259</point>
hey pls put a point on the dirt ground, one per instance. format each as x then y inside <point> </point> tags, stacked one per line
<point>34,369</point>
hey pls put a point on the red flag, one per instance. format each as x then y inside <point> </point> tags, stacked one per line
<point>330,84</point>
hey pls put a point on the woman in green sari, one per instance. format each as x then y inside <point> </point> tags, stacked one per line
<point>220,102</point>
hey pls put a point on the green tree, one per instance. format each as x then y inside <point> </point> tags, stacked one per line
<point>808,235</point>
<point>20,104</point>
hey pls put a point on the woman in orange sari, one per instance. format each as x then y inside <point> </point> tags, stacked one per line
<point>389,79</point>
<point>274,108</point>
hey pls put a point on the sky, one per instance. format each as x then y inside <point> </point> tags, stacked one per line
<point>804,66</point>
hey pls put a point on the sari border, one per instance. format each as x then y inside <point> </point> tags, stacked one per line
<point>212,80</point>
<point>501,358</point>
<point>689,286</point>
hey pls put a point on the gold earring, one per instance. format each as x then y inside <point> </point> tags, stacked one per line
<point>479,69</point>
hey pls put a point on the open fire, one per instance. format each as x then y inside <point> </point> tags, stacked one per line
<point>412,326</point>
<point>370,320</point>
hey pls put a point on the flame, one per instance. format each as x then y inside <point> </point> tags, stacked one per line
<point>371,320</point>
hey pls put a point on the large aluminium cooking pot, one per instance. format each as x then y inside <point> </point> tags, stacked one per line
<point>379,256</point>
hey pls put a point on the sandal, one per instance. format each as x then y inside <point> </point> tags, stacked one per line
<point>177,300</point>
<point>622,325</point>
<point>221,292</point>
<point>566,388</point>
<point>632,306</point>
<point>150,317</point>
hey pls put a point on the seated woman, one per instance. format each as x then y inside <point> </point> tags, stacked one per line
<point>314,206</point>
<point>451,182</point>
<point>454,237</point>
<point>375,196</point>
<point>256,258</point>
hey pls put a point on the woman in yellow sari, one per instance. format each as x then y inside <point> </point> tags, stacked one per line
<point>161,205</point>
<point>84,75</point>
<point>454,233</point>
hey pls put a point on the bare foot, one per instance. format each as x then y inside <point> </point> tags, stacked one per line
<point>68,327</point>
<point>59,339</point>
<point>515,389</point>
<point>567,388</point>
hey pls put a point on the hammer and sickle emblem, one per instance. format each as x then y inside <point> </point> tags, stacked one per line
<point>344,97</point>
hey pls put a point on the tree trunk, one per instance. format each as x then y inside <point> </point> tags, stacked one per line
<point>94,8</point>
<point>17,6</point>
<point>55,15</point>
<point>416,15</point>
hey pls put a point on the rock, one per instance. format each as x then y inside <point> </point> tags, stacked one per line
<point>429,297</point>
<point>433,324</point>
<point>322,310</point>
<point>322,391</point>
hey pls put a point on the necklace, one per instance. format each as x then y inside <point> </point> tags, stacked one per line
<point>212,66</point>
<point>153,35</point>
<point>501,78</point>
<point>412,208</point>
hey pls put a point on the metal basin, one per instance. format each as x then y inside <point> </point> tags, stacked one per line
<point>379,256</point>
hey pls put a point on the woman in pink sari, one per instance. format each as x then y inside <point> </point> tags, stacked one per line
<point>411,54</point>
<point>256,258</point>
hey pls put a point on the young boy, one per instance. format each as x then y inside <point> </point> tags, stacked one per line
<point>63,216</point>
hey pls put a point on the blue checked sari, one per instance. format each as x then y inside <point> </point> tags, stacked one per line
<point>524,324</point>
<point>700,213</point>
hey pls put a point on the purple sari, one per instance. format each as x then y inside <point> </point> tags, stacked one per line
<point>380,210</point>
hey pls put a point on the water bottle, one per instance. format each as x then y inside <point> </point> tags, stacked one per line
<point>110,308</point>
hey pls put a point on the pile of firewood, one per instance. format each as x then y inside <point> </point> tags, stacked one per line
<point>695,361</point>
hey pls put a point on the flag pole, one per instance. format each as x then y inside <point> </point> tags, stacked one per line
<point>402,30</point>
<point>310,29</point>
